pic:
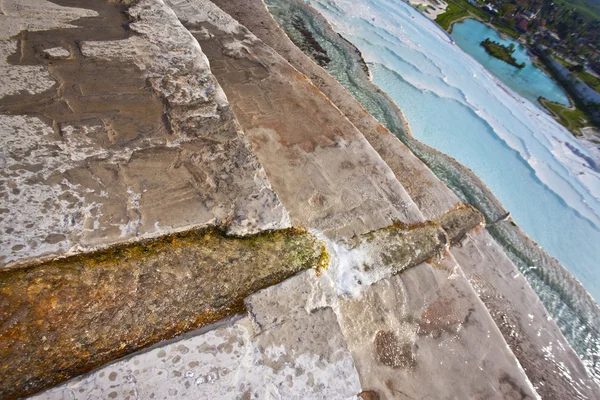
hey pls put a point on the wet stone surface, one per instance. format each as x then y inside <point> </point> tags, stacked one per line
<point>424,333</point>
<point>431,196</point>
<point>113,128</point>
<point>534,337</point>
<point>65,317</point>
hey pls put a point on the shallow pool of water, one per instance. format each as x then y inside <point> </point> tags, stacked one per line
<point>530,82</point>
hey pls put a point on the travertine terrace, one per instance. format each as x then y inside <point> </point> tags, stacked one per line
<point>193,209</point>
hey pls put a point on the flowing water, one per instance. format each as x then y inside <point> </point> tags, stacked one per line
<point>540,173</point>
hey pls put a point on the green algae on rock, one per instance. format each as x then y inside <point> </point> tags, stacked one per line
<point>65,317</point>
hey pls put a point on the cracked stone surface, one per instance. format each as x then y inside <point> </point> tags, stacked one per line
<point>130,136</point>
<point>124,122</point>
<point>304,356</point>
<point>550,363</point>
<point>304,142</point>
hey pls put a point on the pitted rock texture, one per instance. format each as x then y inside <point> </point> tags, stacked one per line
<point>324,171</point>
<point>65,317</point>
<point>552,366</point>
<point>425,334</point>
<point>127,136</point>
<point>138,139</point>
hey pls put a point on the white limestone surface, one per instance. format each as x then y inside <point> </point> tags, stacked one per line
<point>15,79</point>
<point>57,53</point>
<point>75,185</point>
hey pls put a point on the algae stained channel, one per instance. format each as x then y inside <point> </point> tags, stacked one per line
<point>64,317</point>
<point>564,297</point>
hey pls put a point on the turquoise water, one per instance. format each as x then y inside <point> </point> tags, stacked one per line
<point>455,105</point>
<point>539,211</point>
<point>530,82</point>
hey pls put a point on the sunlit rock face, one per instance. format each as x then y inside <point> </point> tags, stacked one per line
<point>157,154</point>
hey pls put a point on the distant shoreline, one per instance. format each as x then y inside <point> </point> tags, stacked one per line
<point>470,189</point>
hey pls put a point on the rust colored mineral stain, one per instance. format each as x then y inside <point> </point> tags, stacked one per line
<point>392,352</point>
<point>65,317</point>
<point>259,94</point>
<point>369,395</point>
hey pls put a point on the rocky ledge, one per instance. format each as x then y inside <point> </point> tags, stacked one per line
<point>194,209</point>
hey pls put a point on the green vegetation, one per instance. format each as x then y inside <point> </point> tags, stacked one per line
<point>452,14</point>
<point>588,79</point>
<point>459,9</point>
<point>581,114</point>
<point>579,71</point>
<point>564,62</point>
<point>501,52</point>
<point>505,28</point>
<point>589,9</point>
<point>571,118</point>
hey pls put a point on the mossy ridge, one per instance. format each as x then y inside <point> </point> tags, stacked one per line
<point>123,251</point>
<point>64,317</point>
<point>455,223</point>
<point>400,246</point>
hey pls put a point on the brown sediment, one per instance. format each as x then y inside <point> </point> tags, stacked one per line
<point>65,317</point>
<point>369,395</point>
<point>460,220</point>
<point>391,351</point>
<point>455,223</point>
<point>403,246</point>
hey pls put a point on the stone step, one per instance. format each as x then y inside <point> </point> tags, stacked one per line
<point>423,332</point>
<point>549,361</point>
<point>322,168</point>
<point>65,317</point>
<point>393,304</point>
<point>127,135</point>
<point>302,357</point>
<point>431,196</point>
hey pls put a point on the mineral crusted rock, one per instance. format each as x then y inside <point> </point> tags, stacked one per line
<point>64,317</point>
<point>425,334</point>
<point>57,53</point>
<point>130,137</point>
<point>124,127</point>
<point>431,196</point>
<point>303,355</point>
<point>38,15</point>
